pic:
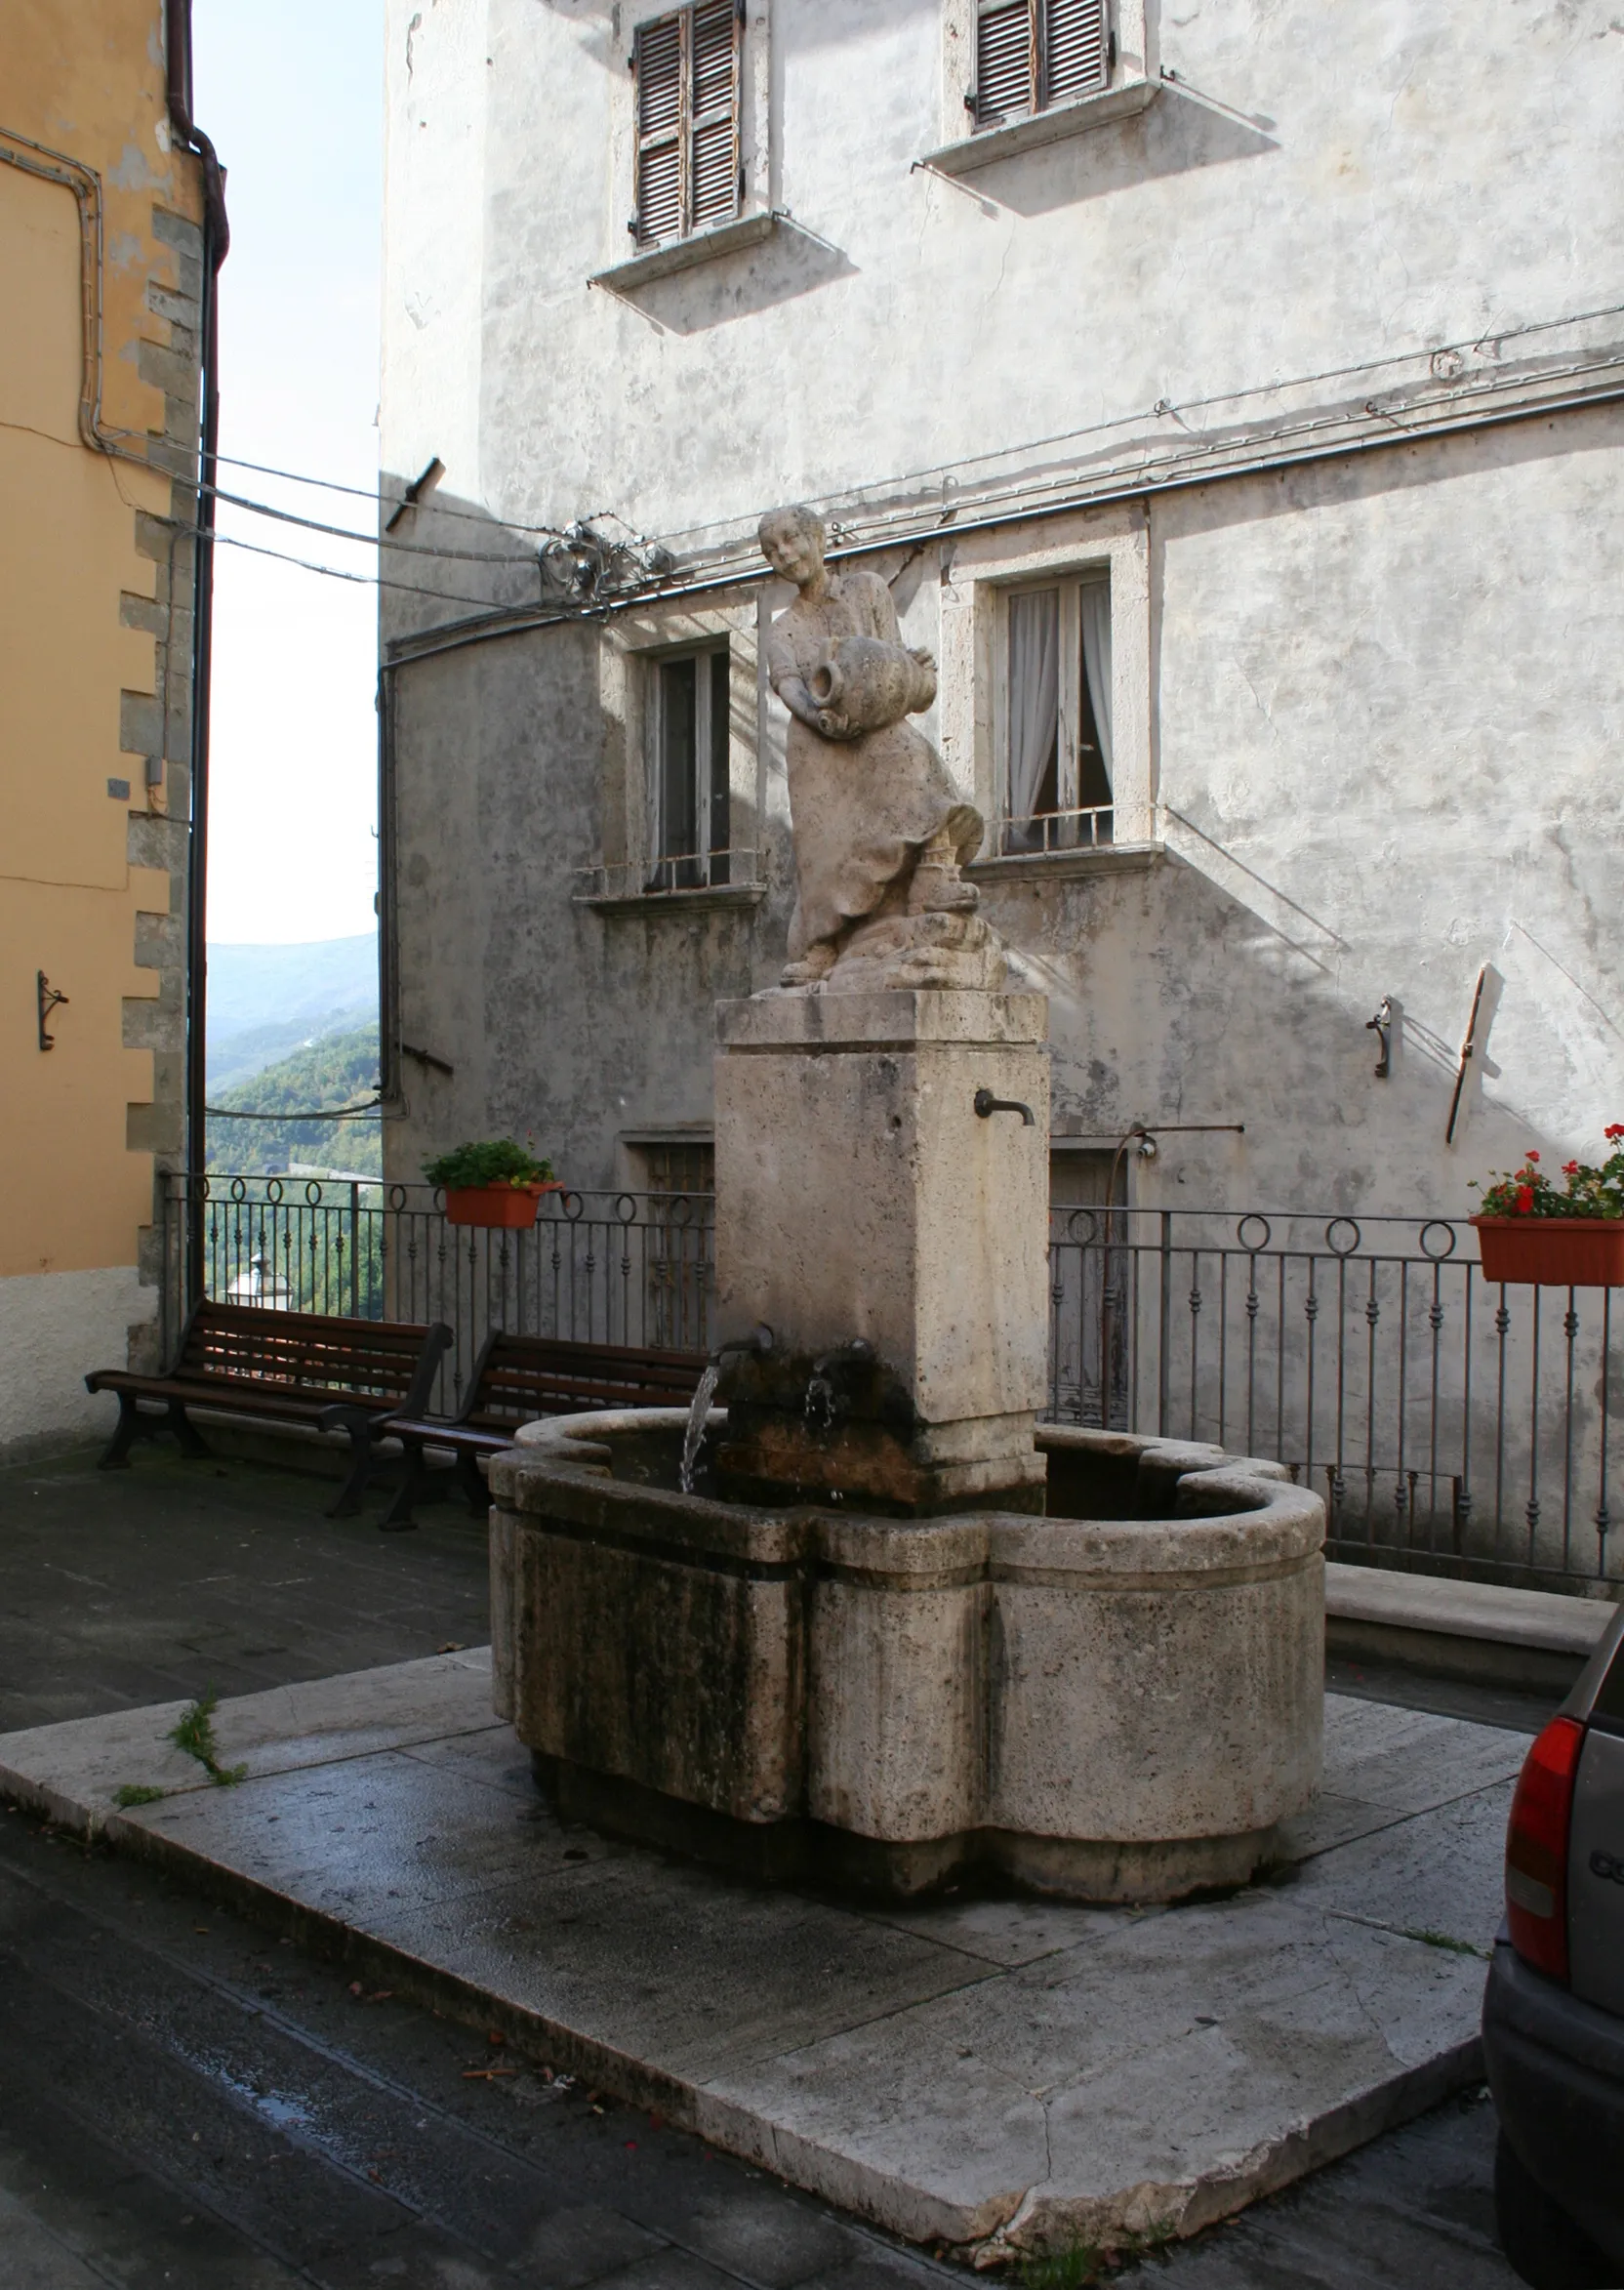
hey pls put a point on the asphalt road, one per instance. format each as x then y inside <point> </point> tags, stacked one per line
<point>185,2100</point>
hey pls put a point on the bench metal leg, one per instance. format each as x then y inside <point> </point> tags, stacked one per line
<point>134,1424</point>
<point>416,1486</point>
<point>348,1501</point>
<point>472,1485</point>
<point>193,1442</point>
<point>130,1427</point>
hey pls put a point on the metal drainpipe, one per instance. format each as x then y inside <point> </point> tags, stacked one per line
<point>217,241</point>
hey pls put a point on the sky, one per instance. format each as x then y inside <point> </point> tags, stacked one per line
<point>292,101</point>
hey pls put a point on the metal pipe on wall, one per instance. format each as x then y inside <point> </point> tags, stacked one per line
<point>217,241</point>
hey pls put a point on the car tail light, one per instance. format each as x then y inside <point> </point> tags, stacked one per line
<point>1536,1848</point>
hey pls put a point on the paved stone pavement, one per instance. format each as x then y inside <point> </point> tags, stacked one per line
<point>119,1588</point>
<point>184,2101</point>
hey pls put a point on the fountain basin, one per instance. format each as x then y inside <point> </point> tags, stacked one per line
<point>1122,1706</point>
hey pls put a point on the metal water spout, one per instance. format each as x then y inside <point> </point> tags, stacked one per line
<point>760,1341</point>
<point>823,1404</point>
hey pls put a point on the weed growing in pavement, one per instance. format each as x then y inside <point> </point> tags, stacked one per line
<point>194,1733</point>
<point>1442,1940</point>
<point>134,1793</point>
<point>1082,2265</point>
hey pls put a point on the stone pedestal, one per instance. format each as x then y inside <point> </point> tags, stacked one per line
<point>892,1238</point>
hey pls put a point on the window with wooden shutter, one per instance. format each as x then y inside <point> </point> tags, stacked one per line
<point>687,74</point>
<point>1030,53</point>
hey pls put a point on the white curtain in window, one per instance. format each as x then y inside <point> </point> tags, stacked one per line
<point>1095,601</point>
<point>1033,693</point>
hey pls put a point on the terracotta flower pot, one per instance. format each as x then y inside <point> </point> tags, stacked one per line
<point>508,1208</point>
<point>1553,1251</point>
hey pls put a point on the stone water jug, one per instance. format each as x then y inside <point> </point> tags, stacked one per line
<point>872,683</point>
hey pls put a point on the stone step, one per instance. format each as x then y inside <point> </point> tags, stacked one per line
<point>1537,1639</point>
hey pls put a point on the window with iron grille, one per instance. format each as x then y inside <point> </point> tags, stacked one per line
<point>686,67</point>
<point>1056,791</point>
<point>1034,54</point>
<point>686,1170</point>
<point>688,724</point>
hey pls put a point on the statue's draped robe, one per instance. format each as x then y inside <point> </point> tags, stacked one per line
<point>861,808</point>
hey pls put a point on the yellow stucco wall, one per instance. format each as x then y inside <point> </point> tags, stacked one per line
<point>84,607</point>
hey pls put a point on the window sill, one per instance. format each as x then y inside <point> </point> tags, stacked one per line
<point>686,254</point>
<point>1041,127</point>
<point>652,903</point>
<point>1111,858</point>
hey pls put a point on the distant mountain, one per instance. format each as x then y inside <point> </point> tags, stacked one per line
<point>310,986</point>
<point>336,1069</point>
<point>240,1055</point>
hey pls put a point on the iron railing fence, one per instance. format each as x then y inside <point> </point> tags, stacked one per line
<point>618,1268</point>
<point>1452,1424</point>
<point>1048,832</point>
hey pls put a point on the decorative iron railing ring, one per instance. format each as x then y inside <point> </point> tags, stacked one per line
<point>1072,1233</point>
<point>312,1193</point>
<point>674,1203</point>
<point>273,1192</point>
<point>396,1199</point>
<point>628,1213</point>
<point>437,1204</point>
<point>1254,1248</point>
<point>1438,1224</point>
<point>571,1205</point>
<point>239,1189</point>
<point>1331,1230</point>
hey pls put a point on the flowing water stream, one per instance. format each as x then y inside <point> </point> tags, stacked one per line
<point>703,1393</point>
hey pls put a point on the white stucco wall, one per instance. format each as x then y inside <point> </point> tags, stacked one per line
<point>1380,704</point>
<point>1314,190</point>
<point>54,1329</point>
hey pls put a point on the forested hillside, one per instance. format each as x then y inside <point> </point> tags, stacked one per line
<point>340,1069</point>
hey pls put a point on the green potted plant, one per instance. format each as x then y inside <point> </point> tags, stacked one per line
<point>1528,1229</point>
<point>497,1183</point>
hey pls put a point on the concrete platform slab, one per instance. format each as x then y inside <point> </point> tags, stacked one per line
<point>993,2073</point>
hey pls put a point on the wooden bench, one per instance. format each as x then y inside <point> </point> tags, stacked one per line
<point>346,1376</point>
<point>515,1380</point>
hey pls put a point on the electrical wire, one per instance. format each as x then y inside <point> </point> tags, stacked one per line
<point>286,516</point>
<point>333,572</point>
<point>943,474</point>
<point>331,1112</point>
<point>1163,407</point>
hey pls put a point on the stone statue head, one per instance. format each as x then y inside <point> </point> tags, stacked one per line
<point>792,542</point>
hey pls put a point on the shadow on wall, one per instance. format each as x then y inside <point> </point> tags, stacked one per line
<point>1198,993</point>
<point>792,262</point>
<point>1177,134</point>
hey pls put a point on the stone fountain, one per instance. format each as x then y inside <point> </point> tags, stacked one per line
<point>891,1630</point>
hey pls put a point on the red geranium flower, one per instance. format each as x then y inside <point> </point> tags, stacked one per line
<point>1532,1154</point>
<point>1570,1169</point>
<point>1525,1199</point>
<point>1617,1131</point>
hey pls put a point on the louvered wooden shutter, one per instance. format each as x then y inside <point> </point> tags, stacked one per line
<point>1005,61</point>
<point>658,64</point>
<point>714,126</point>
<point>1033,53</point>
<point>1075,58</point>
<point>687,68</point>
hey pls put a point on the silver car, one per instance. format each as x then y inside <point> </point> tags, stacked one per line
<point>1554,2008</point>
